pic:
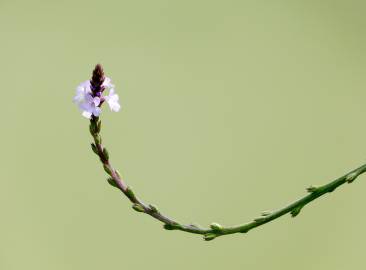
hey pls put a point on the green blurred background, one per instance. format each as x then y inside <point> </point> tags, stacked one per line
<point>229,108</point>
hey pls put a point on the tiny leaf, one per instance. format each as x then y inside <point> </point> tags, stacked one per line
<point>130,194</point>
<point>138,207</point>
<point>153,208</point>
<point>351,177</point>
<point>312,189</point>
<point>98,139</point>
<point>259,219</point>
<point>92,128</point>
<point>98,126</point>
<point>112,182</point>
<point>94,148</point>
<point>266,213</point>
<point>216,227</point>
<point>107,169</point>
<point>209,236</point>
<point>296,211</point>
<point>105,154</point>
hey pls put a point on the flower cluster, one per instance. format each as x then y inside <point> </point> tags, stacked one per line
<point>89,94</point>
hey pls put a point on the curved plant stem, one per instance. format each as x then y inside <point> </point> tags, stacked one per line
<point>215,229</point>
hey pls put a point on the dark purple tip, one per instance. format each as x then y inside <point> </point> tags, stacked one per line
<point>97,80</point>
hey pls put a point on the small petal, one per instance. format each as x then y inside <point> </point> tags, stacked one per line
<point>97,111</point>
<point>89,98</point>
<point>111,92</point>
<point>77,99</point>
<point>107,83</point>
<point>80,96</point>
<point>115,107</point>
<point>96,101</point>
<point>86,114</point>
<point>85,85</point>
<point>112,100</point>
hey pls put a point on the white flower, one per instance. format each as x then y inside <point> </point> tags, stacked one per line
<point>108,83</point>
<point>81,91</point>
<point>112,100</point>
<point>90,107</point>
<point>85,101</point>
<point>90,104</point>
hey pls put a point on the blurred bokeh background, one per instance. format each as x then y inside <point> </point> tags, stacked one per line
<point>229,108</point>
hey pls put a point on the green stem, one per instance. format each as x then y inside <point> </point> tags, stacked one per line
<point>215,229</point>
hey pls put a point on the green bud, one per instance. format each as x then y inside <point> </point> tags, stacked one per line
<point>209,236</point>
<point>266,213</point>
<point>244,230</point>
<point>259,219</point>
<point>153,208</point>
<point>170,227</point>
<point>105,154</point>
<point>351,177</point>
<point>130,194</point>
<point>92,128</point>
<point>112,182</point>
<point>94,148</point>
<point>312,189</point>
<point>107,169</point>
<point>98,139</point>
<point>138,207</point>
<point>98,126</point>
<point>216,227</point>
<point>296,211</point>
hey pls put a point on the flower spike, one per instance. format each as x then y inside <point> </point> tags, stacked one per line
<point>89,94</point>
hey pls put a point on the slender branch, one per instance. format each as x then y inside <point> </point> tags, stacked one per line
<point>215,229</point>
